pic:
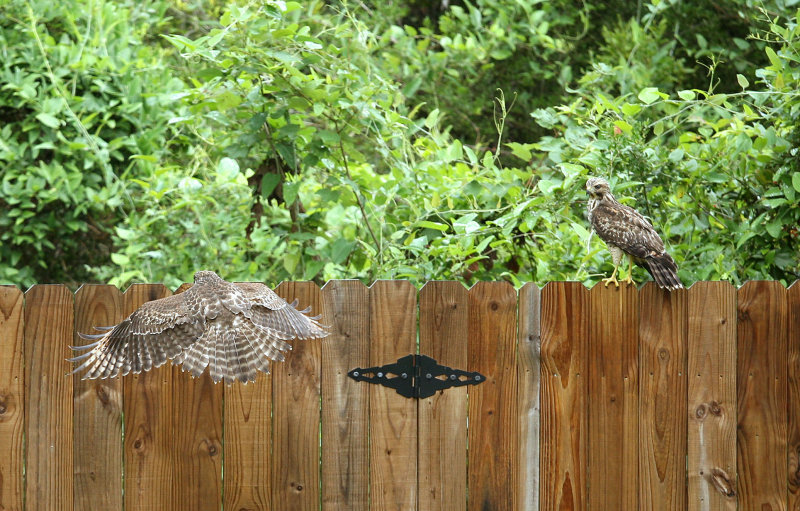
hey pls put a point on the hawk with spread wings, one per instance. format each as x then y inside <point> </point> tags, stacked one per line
<point>233,329</point>
<point>626,232</point>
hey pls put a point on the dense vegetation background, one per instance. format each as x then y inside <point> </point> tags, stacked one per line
<point>272,140</point>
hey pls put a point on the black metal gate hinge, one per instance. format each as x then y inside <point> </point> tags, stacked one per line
<point>416,376</point>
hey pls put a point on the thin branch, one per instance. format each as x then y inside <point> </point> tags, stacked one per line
<point>358,196</point>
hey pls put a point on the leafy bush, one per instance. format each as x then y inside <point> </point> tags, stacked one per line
<point>84,107</point>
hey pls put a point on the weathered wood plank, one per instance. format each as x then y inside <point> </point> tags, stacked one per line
<point>149,423</point>
<point>564,455</point>
<point>493,421</point>
<point>663,323</point>
<point>12,398</point>
<point>197,413</point>
<point>296,415</point>
<point>443,335</point>
<point>345,404</point>
<point>528,399</point>
<point>97,408</point>
<point>392,418</point>
<point>613,398</point>
<point>248,442</point>
<point>49,320</point>
<point>793,306</point>
<point>711,369</point>
<point>762,396</point>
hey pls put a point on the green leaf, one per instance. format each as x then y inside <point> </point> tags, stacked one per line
<point>796,181</point>
<point>624,126</point>
<point>773,58</point>
<point>290,262</point>
<point>290,192</point>
<point>340,250</point>
<point>329,137</point>
<point>521,151</point>
<point>268,184</point>
<point>48,120</point>
<point>743,83</point>
<point>774,228</point>
<point>425,224</point>
<point>649,95</point>
<point>686,95</point>
<point>120,259</point>
<point>631,109</point>
<point>676,155</point>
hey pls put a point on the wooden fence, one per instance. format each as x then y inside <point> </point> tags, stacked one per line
<point>604,399</point>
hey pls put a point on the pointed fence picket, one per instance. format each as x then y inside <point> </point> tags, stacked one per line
<point>594,399</point>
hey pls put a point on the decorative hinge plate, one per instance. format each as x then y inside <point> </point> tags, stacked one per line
<point>416,376</point>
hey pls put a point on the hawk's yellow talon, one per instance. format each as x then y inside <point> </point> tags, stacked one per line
<point>611,279</point>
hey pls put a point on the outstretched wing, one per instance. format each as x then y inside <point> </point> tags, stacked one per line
<point>624,227</point>
<point>152,334</point>
<point>234,330</point>
<point>272,312</point>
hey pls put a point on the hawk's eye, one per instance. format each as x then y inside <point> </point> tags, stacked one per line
<point>596,187</point>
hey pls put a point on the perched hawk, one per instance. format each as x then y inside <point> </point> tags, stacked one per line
<point>625,231</point>
<point>233,329</point>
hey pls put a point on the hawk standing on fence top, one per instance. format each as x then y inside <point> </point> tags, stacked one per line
<point>626,231</point>
<point>233,329</point>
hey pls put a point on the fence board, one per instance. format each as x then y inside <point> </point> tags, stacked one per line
<point>761,396</point>
<point>793,307</point>
<point>564,456</point>
<point>613,398</point>
<point>12,397</point>
<point>345,406</point>
<point>443,334</point>
<point>296,393</point>
<point>493,425</point>
<point>49,320</point>
<point>248,443</point>
<point>97,408</point>
<point>393,418</point>
<point>197,414</point>
<point>711,411</point>
<point>662,398</point>
<point>147,408</point>
<point>528,389</point>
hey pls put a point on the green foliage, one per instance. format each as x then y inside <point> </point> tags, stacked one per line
<point>322,140</point>
<point>84,106</point>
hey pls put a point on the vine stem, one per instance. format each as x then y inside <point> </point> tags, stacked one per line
<point>358,196</point>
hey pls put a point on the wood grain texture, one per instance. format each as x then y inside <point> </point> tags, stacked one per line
<point>443,335</point>
<point>793,309</point>
<point>248,444</point>
<point>97,408</point>
<point>149,423</point>
<point>197,413</point>
<point>528,398</point>
<point>12,398</point>
<point>663,323</point>
<point>565,338</point>
<point>493,420</point>
<point>49,320</point>
<point>345,404</point>
<point>613,398</point>
<point>711,411</point>
<point>296,414</point>
<point>392,418</point>
<point>761,437</point>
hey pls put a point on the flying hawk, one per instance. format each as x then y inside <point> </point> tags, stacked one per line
<point>626,231</point>
<point>233,329</point>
